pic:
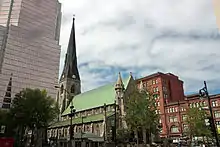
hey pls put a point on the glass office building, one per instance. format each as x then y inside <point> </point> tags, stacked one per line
<point>29,46</point>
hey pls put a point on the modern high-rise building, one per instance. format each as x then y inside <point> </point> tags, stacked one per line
<point>29,46</point>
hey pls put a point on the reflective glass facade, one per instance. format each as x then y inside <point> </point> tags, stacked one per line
<point>29,45</point>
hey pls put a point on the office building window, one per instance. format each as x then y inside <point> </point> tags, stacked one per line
<point>184,117</point>
<point>156,96</point>
<point>165,95</point>
<point>183,109</point>
<point>159,112</point>
<point>217,114</point>
<point>217,124</point>
<point>173,119</point>
<point>171,110</point>
<point>164,88</point>
<point>174,129</point>
<point>158,104</point>
<point>185,128</point>
<point>153,82</point>
<point>176,109</point>
<point>214,103</point>
<point>156,89</point>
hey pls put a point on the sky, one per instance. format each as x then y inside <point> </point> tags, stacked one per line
<point>144,37</point>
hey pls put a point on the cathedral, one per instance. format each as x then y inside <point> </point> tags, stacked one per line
<point>97,113</point>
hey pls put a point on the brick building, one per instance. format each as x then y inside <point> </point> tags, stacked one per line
<point>168,91</point>
<point>175,113</point>
<point>166,88</point>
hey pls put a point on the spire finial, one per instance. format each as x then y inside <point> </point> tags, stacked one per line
<point>119,81</point>
<point>74,16</point>
<point>130,73</point>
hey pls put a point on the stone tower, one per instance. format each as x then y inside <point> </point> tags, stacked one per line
<point>69,84</point>
<point>119,91</point>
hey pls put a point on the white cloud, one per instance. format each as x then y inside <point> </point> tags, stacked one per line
<point>144,36</point>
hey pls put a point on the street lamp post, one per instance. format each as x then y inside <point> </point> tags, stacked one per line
<point>204,93</point>
<point>105,125</point>
<point>115,119</point>
<point>82,128</point>
<point>72,112</point>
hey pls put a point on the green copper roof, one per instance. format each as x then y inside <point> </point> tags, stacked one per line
<point>95,98</point>
<point>78,120</point>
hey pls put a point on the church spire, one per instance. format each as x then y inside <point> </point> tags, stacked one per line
<point>70,69</point>
<point>7,99</point>
<point>119,84</point>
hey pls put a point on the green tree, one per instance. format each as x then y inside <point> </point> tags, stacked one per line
<point>33,109</point>
<point>141,113</point>
<point>3,115</point>
<point>196,123</point>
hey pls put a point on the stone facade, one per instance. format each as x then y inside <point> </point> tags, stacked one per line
<point>99,121</point>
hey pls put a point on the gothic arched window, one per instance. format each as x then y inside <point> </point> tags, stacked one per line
<point>61,89</point>
<point>88,129</point>
<point>92,129</point>
<point>73,89</point>
<point>97,130</point>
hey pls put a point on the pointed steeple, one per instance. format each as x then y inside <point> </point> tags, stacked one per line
<point>119,84</point>
<point>7,99</point>
<point>70,69</point>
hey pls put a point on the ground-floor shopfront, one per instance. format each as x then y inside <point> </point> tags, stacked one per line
<point>79,140</point>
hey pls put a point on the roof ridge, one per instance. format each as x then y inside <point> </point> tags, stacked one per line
<point>126,80</point>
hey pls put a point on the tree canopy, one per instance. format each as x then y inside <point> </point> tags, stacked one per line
<point>141,111</point>
<point>196,122</point>
<point>33,108</point>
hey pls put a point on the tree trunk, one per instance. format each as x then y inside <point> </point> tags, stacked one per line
<point>136,132</point>
<point>144,136</point>
<point>207,140</point>
<point>190,142</point>
<point>32,137</point>
<point>150,137</point>
<point>38,138</point>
